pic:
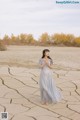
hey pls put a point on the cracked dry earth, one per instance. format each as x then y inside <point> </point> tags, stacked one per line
<point>20,96</point>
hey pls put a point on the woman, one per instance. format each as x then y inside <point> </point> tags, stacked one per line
<point>48,89</point>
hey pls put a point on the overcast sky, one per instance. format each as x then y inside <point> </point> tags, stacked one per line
<point>38,16</point>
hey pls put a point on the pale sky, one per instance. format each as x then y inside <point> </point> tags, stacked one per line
<point>38,16</point>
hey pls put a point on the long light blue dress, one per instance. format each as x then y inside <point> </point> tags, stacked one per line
<point>49,92</point>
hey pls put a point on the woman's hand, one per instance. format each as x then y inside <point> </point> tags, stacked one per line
<point>50,66</point>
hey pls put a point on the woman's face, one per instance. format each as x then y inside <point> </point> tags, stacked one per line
<point>47,53</point>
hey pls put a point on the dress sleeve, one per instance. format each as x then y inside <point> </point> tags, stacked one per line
<point>40,61</point>
<point>51,61</point>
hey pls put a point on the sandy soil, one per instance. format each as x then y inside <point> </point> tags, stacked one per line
<point>28,56</point>
<point>19,88</point>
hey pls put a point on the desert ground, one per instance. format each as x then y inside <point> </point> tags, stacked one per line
<point>19,78</point>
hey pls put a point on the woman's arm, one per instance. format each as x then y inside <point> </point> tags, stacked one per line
<point>41,65</point>
<point>49,65</point>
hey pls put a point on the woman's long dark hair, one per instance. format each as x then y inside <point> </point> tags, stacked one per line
<point>47,50</point>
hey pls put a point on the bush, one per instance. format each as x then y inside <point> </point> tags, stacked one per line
<point>2,46</point>
<point>77,42</point>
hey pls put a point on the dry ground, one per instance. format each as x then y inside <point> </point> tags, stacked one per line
<point>19,88</point>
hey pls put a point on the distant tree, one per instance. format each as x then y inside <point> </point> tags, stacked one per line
<point>30,39</point>
<point>6,39</point>
<point>26,38</point>
<point>65,39</point>
<point>77,41</point>
<point>68,39</point>
<point>14,39</point>
<point>44,38</point>
<point>23,38</point>
<point>56,38</point>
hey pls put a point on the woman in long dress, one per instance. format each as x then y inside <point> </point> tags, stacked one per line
<point>49,92</point>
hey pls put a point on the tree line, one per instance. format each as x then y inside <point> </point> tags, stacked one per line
<point>45,39</point>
